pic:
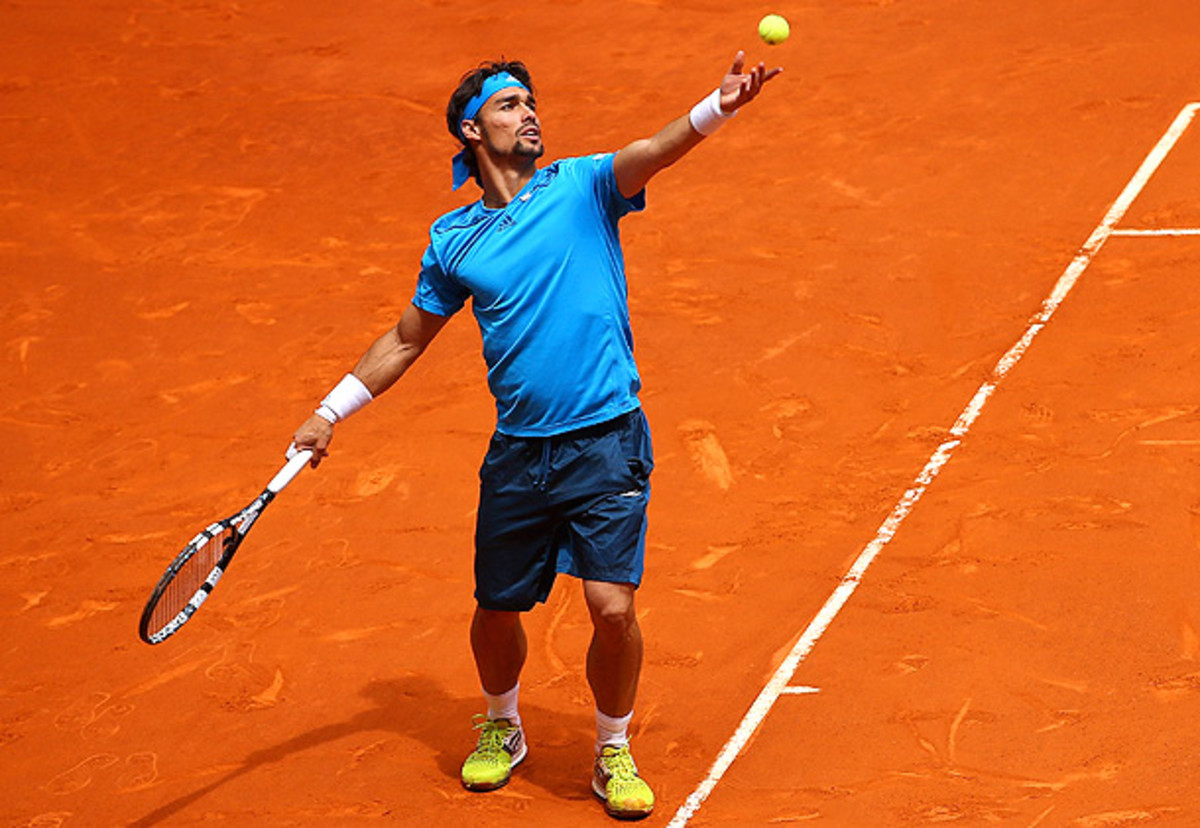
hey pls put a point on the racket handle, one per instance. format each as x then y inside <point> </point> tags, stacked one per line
<point>289,471</point>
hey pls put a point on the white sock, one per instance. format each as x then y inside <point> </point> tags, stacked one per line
<point>611,730</point>
<point>504,706</point>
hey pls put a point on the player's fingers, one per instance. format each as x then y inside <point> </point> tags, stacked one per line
<point>318,453</point>
<point>739,61</point>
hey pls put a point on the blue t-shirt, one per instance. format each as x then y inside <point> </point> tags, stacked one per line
<point>546,277</point>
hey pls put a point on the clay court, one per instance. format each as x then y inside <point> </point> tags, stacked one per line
<point>209,209</point>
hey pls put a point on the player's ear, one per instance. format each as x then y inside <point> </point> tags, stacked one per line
<point>470,130</point>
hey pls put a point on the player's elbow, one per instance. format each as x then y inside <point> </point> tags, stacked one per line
<point>634,166</point>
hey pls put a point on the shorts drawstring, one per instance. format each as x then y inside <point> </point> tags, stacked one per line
<point>543,475</point>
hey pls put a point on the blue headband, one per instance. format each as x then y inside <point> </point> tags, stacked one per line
<point>491,85</point>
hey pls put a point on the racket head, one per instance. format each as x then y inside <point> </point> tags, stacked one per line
<point>194,573</point>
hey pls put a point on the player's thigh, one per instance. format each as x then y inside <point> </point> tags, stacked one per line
<point>515,530</point>
<point>608,530</point>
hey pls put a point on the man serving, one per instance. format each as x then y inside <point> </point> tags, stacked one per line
<point>565,483</point>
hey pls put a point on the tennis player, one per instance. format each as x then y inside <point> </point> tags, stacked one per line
<point>566,479</point>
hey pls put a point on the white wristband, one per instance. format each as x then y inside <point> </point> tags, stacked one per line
<point>706,117</point>
<point>347,396</point>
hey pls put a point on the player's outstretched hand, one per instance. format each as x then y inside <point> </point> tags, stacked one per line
<point>314,433</point>
<point>740,87</point>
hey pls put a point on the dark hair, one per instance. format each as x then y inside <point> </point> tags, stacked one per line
<point>468,87</point>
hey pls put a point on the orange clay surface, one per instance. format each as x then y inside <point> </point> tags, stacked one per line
<point>209,209</point>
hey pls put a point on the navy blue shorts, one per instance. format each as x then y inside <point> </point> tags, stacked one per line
<point>574,503</point>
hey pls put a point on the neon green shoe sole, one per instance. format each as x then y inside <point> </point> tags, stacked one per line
<point>500,748</point>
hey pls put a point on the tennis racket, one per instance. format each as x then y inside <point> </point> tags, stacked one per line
<point>194,573</point>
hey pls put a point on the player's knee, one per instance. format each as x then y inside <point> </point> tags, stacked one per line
<point>613,613</point>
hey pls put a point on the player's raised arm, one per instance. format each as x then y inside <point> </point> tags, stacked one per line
<point>384,362</point>
<point>637,163</point>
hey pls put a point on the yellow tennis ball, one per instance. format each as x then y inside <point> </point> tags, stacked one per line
<point>773,29</point>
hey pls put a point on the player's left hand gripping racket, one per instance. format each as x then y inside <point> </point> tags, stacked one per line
<point>195,571</point>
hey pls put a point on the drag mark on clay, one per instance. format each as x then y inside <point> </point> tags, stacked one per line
<point>911,663</point>
<point>270,696</point>
<point>32,599</point>
<point>1189,642</point>
<point>1041,817</point>
<point>23,350</point>
<point>360,754</point>
<point>952,741</point>
<point>949,759</point>
<point>1063,718</point>
<point>173,396</point>
<point>806,816</point>
<point>708,456</point>
<point>213,657</point>
<point>50,819</point>
<point>1173,689</point>
<point>1113,819</point>
<point>992,612</point>
<point>359,633</point>
<point>256,313</point>
<point>244,686</point>
<point>714,556</point>
<point>1147,417</point>
<point>122,538</point>
<point>783,346</point>
<point>700,595</point>
<point>164,313</point>
<point>86,610</point>
<point>1104,774</point>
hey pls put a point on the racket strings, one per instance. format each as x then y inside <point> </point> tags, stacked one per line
<point>189,578</point>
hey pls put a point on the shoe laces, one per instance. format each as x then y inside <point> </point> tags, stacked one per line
<point>491,733</point>
<point>620,765</point>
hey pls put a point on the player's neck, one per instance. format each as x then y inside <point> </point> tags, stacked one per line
<point>502,182</point>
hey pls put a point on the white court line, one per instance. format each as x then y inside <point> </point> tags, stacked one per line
<point>778,684</point>
<point>1180,231</point>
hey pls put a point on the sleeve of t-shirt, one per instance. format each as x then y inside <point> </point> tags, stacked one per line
<point>599,171</point>
<point>437,292</point>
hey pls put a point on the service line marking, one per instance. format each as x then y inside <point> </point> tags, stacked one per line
<point>1178,231</point>
<point>778,683</point>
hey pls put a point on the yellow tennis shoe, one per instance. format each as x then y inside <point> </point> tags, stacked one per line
<point>615,780</point>
<point>501,747</point>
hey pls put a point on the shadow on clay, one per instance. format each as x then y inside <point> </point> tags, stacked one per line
<point>418,707</point>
